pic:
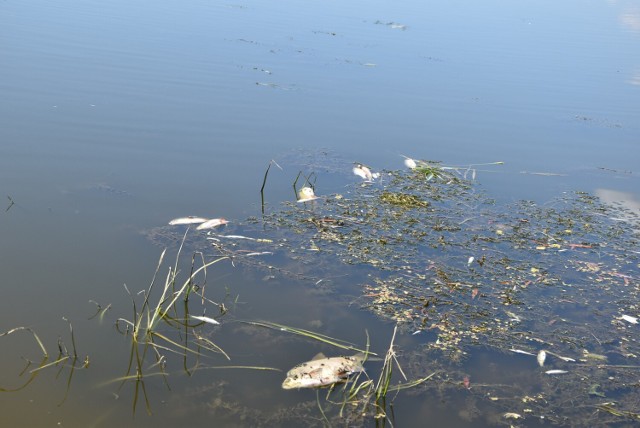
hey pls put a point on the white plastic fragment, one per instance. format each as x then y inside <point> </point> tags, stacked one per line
<point>553,372</point>
<point>471,259</point>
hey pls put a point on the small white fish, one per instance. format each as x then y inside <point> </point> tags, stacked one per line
<point>187,220</point>
<point>567,359</point>
<point>365,173</point>
<point>410,163</point>
<point>552,372</point>
<point>542,355</point>
<point>210,224</point>
<point>511,415</point>
<point>520,351</point>
<point>630,319</point>
<point>323,371</point>
<point>306,194</point>
<point>205,319</point>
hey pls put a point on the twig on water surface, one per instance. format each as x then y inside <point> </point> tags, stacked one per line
<point>12,203</point>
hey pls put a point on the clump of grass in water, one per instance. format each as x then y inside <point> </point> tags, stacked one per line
<point>369,397</point>
<point>64,356</point>
<point>143,327</point>
<point>403,200</point>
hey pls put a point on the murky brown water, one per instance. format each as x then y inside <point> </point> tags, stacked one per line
<point>118,117</point>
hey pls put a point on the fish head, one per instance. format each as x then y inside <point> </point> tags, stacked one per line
<point>299,379</point>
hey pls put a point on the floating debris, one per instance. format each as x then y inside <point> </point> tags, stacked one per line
<point>595,390</point>
<point>187,220</point>
<point>323,371</point>
<point>210,224</point>
<point>630,319</point>
<point>394,25</point>
<point>595,357</point>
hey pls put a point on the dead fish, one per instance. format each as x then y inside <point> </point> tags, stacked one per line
<point>542,355</point>
<point>214,222</point>
<point>410,163</point>
<point>365,173</point>
<point>323,371</point>
<point>511,415</point>
<point>306,194</point>
<point>520,351</point>
<point>187,220</point>
<point>554,372</point>
<point>205,319</point>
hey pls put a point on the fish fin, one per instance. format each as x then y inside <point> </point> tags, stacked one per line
<point>344,374</point>
<point>315,372</point>
<point>319,356</point>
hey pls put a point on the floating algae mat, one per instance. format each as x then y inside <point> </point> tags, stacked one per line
<point>556,284</point>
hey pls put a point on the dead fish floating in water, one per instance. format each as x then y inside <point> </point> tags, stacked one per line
<point>323,371</point>
<point>365,173</point>
<point>210,224</point>
<point>306,194</point>
<point>187,220</point>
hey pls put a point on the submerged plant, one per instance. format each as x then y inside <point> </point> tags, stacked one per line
<point>149,342</point>
<point>359,396</point>
<point>65,359</point>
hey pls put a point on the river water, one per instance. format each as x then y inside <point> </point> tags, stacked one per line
<point>117,117</point>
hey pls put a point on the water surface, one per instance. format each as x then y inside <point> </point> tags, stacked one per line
<point>118,117</point>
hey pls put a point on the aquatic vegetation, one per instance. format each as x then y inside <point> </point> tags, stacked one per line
<point>403,200</point>
<point>64,360</point>
<point>352,396</point>
<point>11,203</point>
<point>148,341</point>
<point>556,282</point>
